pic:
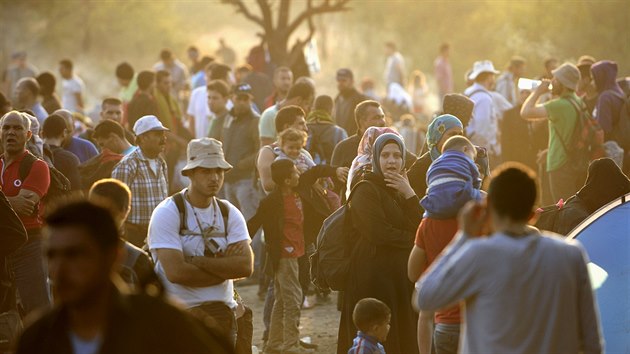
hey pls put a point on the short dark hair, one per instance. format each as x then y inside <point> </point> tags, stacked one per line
<point>124,71</point>
<point>550,60</point>
<point>287,115</point>
<point>145,79</point>
<point>245,68</point>
<point>361,110</point>
<point>112,101</point>
<point>166,54</point>
<point>31,84</point>
<point>281,170</point>
<point>47,82</point>
<point>301,89</point>
<point>517,61</point>
<point>219,72</point>
<point>106,127</point>
<point>203,63</point>
<point>369,312</point>
<point>391,45</point>
<point>53,126</point>
<point>161,74</point>
<point>324,103</point>
<point>114,190</point>
<point>66,63</point>
<point>193,48</point>
<point>219,86</point>
<point>512,192</point>
<point>97,221</point>
<point>444,47</point>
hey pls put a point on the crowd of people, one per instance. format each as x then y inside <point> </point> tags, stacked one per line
<point>128,231</point>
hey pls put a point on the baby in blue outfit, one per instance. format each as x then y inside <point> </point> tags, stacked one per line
<point>453,180</point>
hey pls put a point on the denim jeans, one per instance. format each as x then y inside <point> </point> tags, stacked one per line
<point>219,316</point>
<point>267,309</point>
<point>446,338</point>
<point>30,272</point>
<point>284,335</point>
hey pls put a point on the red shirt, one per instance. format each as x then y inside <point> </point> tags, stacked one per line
<point>38,181</point>
<point>433,236</point>
<point>293,240</point>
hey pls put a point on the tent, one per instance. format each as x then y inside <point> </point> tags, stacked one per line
<point>606,237</point>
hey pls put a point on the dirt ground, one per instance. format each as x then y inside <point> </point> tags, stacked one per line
<point>320,323</point>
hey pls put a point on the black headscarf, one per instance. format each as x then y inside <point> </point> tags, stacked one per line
<point>604,183</point>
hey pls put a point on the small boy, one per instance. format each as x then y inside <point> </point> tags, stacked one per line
<point>453,180</point>
<point>291,147</point>
<point>283,218</point>
<point>371,317</point>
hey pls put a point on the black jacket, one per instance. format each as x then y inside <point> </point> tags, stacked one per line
<point>137,324</point>
<point>270,213</point>
<point>345,103</point>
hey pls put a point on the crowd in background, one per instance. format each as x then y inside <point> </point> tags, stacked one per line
<point>280,159</point>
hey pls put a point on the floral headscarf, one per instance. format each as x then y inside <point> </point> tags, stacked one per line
<point>364,152</point>
<point>436,130</point>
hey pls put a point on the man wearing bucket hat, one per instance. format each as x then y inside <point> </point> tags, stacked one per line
<point>483,128</point>
<point>201,242</point>
<point>563,118</point>
<point>145,172</point>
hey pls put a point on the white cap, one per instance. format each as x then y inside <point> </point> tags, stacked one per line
<point>482,66</point>
<point>147,124</point>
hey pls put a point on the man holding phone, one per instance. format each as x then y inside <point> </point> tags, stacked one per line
<point>200,242</point>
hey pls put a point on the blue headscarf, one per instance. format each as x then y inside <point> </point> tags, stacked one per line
<point>379,144</point>
<point>436,130</point>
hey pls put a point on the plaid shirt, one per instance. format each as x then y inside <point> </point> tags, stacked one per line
<point>147,188</point>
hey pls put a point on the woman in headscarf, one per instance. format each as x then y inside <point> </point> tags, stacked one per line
<point>604,183</point>
<point>385,213</point>
<point>363,160</point>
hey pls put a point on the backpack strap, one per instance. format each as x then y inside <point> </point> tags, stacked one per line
<point>225,213</point>
<point>478,91</point>
<point>178,199</point>
<point>25,165</point>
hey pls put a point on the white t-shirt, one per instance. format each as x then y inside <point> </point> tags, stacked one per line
<point>153,163</point>
<point>164,233</point>
<point>69,89</point>
<point>199,110</point>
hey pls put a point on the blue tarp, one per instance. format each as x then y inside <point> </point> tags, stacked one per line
<point>606,237</point>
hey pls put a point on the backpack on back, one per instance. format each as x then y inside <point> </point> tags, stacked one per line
<point>587,140</point>
<point>97,168</point>
<point>335,244</point>
<point>59,188</point>
<point>621,130</point>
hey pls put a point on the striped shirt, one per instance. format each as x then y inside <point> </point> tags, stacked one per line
<point>148,188</point>
<point>366,344</point>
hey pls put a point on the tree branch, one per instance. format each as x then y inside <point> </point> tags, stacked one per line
<point>325,7</point>
<point>265,9</point>
<point>283,13</point>
<point>241,8</point>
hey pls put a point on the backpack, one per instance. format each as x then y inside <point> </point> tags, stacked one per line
<point>335,245</point>
<point>587,140</point>
<point>59,188</point>
<point>621,130</point>
<point>178,199</point>
<point>97,168</point>
<point>316,147</point>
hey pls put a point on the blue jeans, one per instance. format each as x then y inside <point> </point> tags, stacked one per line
<point>446,338</point>
<point>29,268</point>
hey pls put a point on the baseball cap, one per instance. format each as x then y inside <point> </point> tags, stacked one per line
<point>147,124</point>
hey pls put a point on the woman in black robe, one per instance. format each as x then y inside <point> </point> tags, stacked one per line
<point>385,213</point>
